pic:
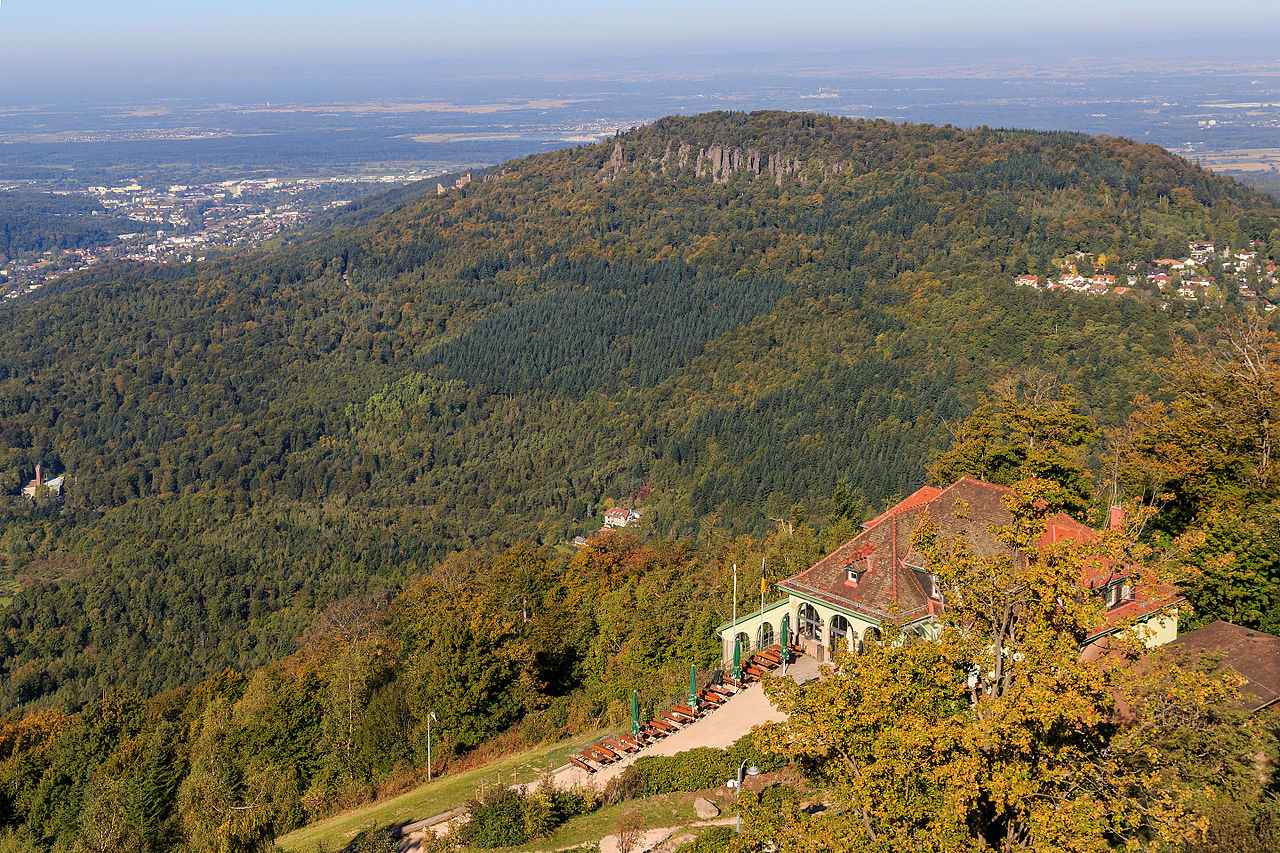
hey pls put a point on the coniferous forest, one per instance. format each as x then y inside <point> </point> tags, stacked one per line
<point>316,491</point>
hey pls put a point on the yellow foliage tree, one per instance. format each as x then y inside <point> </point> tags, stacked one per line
<point>996,735</point>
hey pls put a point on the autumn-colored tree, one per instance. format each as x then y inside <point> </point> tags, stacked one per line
<point>347,639</point>
<point>996,736</point>
<point>1206,460</point>
<point>1028,426</point>
<point>1220,432</point>
<point>629,831</point>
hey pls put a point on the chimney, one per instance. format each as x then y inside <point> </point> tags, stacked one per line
<point>1116,518</point>
<point>39,482</point>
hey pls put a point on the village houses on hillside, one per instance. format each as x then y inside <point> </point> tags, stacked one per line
<point>1185,279</point>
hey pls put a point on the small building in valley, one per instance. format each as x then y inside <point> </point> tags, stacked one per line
<point>53,485</point>
<point>620,516</point>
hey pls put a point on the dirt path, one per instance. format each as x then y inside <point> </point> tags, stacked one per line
<point>653,839</point>
<point>720,728</point>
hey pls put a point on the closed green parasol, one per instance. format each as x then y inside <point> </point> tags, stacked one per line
<point>635,714</point>
<point>693,687</point>
<point>737,660</point>
<point>786,644</point>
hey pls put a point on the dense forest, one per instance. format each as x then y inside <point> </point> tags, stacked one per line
<point>523,645</point>
<point>756,317</point>
<point>250,439</point>
<point>31,223</point>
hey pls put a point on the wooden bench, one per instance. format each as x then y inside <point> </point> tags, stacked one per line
<point>675,721</point>
<point>654,733</point>
<point>601,756</point>
<point>663,726</point>
<point>629,741</point>
<point>769,657</point>
<point>713,699</point>
<point>721,690</point>
<point>618,744</point>
<point>580,764</point>
<point>685,709</point>
<point>613,756</point>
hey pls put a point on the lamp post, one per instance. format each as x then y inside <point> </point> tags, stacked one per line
<point>751,771</point>
<point>430,716</point>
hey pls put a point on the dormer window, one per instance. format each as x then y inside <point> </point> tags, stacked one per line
<point>935,590</point>
<point>852,577</point>
<point>1119,593</point>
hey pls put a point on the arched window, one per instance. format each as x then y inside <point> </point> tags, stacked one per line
<point>810,622</point>
<point>744,642</point>
<point>871,635</point>
<point>765,635</point>
<point>839,631</point>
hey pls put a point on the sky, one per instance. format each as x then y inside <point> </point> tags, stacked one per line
<point>108,36</point>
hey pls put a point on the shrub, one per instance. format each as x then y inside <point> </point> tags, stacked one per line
<point>496,821</point>
<point>372,839</point>
<point>704,767</point>
<point>571,802</point>
<point>508,817</point>
<point>714,840</point>
<point>625,786</point>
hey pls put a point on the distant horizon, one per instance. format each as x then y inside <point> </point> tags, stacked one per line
<point>367,78</point>
<point>145,45</point>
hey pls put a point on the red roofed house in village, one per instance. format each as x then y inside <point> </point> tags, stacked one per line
<point>868,580</point>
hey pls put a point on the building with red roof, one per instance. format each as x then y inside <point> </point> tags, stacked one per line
<point>878,576</point>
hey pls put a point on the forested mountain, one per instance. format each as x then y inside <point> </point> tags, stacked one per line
<point>739,311</point>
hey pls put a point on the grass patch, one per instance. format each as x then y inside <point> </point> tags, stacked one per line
<point>435,797</point>
<point>666,810</point>
<point>8,589</point>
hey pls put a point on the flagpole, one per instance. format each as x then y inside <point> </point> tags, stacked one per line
<point>735,600</point>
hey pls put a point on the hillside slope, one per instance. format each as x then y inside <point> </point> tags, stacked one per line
<point>739,311</point>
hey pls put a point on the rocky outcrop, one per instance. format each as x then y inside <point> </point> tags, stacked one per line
<point>616,160</point>
<point>719,163</point>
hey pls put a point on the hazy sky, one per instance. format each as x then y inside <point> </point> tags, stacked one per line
<point>110,34</point>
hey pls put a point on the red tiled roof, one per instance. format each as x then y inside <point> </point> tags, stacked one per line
<point>1253,654</point>
<point>924,494</point>
<point>967,508</point>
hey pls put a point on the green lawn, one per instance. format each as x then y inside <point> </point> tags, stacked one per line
<point>433,798</point>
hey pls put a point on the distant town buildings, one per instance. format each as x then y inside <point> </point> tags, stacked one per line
<point>1172,280</point>
<point>180,223</point>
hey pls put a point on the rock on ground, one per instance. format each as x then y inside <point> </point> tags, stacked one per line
<point>705,809</point>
